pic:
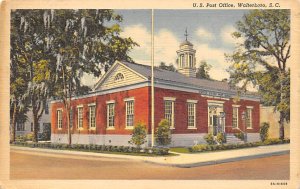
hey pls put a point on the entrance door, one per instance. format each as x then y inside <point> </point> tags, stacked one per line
<point>215,125</point>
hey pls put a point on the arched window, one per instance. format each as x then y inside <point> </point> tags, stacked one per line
<point>191,60</point>
<point>181,60</point>
<point>119,77</point>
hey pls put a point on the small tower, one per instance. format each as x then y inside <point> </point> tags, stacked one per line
<point>186,58</point>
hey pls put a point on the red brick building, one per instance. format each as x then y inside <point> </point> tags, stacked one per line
<point>122,98</point>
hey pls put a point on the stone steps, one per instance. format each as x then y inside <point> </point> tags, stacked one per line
<point>231,139</point>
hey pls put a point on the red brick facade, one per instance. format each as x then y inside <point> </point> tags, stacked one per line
<point>142,112</point>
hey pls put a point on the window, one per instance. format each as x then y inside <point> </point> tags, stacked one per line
<point>129,113</point>
<point>92,117</point>
<point>191,60</point>
<point>119,77</point>
<point>181,60</point>
<point>191,115</point>
<point>169,112</point>
<point>110,115</point>
<point>249,118</point>
<point>71,118</point>
<point>20,126</point>
<point>235,119</point>
<point>46,108</point>
<point>79,117</point>
<point>59,120</point>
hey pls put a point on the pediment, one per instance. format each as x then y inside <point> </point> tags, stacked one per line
<point>119,75</point>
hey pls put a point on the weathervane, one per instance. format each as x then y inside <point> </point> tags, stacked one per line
<point>186,34</point>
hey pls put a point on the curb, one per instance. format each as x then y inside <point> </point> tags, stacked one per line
<point>214,162</point>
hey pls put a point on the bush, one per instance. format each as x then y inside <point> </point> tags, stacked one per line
<point>209,138</point>
<point>221,139</point>
<point>240,136</point>
<point>139,135</point>
<point>29,137</point>
<point>264,131</point>
<point>163,133</point>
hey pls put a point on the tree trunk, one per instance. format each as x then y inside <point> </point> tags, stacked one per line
<point>281,126</point>
<point>35,127</point>
<point>14,121</point>
<point>68,125</point>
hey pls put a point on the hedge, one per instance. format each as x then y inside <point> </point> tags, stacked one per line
<point>96,148</point>
<point>206,147</point>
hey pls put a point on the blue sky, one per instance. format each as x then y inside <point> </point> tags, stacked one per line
<point>209,31</point>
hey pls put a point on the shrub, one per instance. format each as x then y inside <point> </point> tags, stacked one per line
<point>163,133</point>
<point>29,137</point>
<point>139,134</point>
<point>221,139</point>
<point>209,138</point>
<point>264,131</point>
<point>240,136</point>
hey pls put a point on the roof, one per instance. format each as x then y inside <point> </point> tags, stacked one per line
<point>186,42</point>
<point>178,77</point>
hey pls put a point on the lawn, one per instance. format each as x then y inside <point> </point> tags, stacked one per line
<point>180,150</point>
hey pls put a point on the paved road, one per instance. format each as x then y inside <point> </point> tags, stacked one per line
<point>36,165</point>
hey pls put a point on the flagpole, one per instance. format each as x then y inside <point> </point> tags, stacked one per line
<point>152,82</point>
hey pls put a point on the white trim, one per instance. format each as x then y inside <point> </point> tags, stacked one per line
<point>92,104</point>
<point>170,98</point>
<point>79,106</point>
<point>192,101</point>
<point>250,107</point>
<point>79,128</point>
<point>129,99</point>
<point>192,128</point>
<point>129,127</point>
<point>107,116</point>
<point>215,102</point>
<point>237,118</point>
<point>236,106</point>
<point>110,102</point>
<point>110,128</point>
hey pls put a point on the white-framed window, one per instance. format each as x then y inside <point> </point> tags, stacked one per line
<point>191,60</point>
<point>249,117</point>
<point>129,113</point>
<point>169,111</point>
<point>20,126</point>
<point>59,119</point>
<point>235,117</point>
<point>80,117</point>
<point>119,77</point>
<point>191,114</point>
<point>92,116</point>
<point>71,118</point>
<point>110,115</point>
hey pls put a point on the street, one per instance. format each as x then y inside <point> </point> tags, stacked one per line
<point>37,165</point>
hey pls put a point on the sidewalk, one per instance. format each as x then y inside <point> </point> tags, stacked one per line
<point>182,160</point>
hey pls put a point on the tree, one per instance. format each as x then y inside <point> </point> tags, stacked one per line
<point>262,58</point>
<point>203,70</point>
<point>30,79</point>
<point>169,67</point>
<point>163,133</point>
<point>82,41</point>
<point>139,135</point>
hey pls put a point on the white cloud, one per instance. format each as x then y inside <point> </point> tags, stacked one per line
<point>227,38</point>
<point>165,46</point>
<point>140,34</point>
<point>215,57</point>
<point>204,35</point>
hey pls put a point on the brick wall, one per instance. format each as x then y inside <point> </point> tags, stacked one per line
<point>142,110</point>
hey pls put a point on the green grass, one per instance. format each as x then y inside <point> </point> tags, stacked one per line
<point>180,150</point>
